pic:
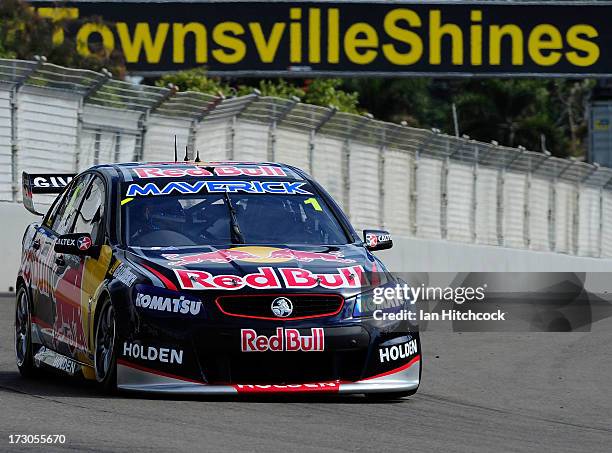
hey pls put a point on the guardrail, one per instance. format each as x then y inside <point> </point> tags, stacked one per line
<point>414,182</point>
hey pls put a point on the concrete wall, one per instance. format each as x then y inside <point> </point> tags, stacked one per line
<point>407,255</point>
<point>13,220</point>
<point>419,255</point>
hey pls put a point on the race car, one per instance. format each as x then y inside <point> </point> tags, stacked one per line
<point>207,278</point>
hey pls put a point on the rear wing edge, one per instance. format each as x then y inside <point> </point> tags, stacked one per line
<point>42,183</point>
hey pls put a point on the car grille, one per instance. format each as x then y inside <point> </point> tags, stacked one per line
<point>283,368</point>
<point>259,306</point>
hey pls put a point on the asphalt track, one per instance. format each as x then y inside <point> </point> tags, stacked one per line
<point>481,392</point>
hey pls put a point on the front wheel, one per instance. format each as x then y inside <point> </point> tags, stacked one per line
<point>23,335</point>
<point>105,361</point>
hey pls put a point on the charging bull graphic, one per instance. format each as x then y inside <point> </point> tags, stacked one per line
<point>255,254</point>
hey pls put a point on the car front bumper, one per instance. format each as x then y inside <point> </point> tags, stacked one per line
<point>133,377</point>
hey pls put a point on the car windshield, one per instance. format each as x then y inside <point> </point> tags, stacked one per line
<point>206,219</point>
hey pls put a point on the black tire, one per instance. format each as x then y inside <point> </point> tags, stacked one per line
<point>23,335</point>
<point>105,348</point>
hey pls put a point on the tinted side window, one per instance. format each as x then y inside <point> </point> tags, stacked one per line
<point>52,213</point>
<point>90,217</point>
<point>68,206</point>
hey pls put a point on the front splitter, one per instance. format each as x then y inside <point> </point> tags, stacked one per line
<point>135,378</point>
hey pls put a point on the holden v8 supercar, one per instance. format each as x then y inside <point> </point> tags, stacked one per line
<point>207,278</point>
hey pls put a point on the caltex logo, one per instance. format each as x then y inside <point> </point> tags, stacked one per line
<point>83,243</point>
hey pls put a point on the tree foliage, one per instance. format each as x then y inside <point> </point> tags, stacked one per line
<point>24,34</point>
<point>535,113</point>
<point>322,92</point>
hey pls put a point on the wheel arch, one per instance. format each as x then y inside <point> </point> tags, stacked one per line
<point>20,282</point>
<point>103,296</point>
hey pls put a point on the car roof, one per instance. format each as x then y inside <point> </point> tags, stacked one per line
<point>126,171</point>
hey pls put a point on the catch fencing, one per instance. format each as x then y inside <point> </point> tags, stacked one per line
<point>413,182</point>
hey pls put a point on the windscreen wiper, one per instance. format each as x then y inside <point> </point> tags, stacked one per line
<point>236,234</point>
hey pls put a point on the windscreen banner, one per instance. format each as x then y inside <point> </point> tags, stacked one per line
<point>345,38</point>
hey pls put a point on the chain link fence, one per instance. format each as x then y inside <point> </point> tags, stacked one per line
<point>414,182</point>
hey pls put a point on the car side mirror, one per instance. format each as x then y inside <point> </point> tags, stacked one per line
<point>79,244</point>
<point>377,240</point>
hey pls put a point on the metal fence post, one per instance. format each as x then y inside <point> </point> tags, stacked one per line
<point>232,138</point>
<point>313,134</point>
<point>381,179</point>
<point>14,128</point>
<point>474,204</point>
<point>414,192</point>
<point>527,208</point>
<point>195,122</point>
<point>552,214</point>
<point>444,194</point>
<point>501,182</point>
<point>117,150</point>
<point>271,148</point>
<point>600,225</point>
<point>253,97</point>
<point>14,146</point>
<point>346,177</point>
<point>271,154</point>
<point>140,144</point>
<point>575,237</point>
<point>580,185</point>
<point>445,169</point>
<point>311,149</point>
<point>554,225</point>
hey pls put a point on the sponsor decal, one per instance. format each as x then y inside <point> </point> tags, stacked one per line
<point>398,351</point>
<point>55,360</point>
<point>230,170</point>
<point>66,241</point>
<point>266,278</point>
<point>255,255</point>
<point>64,364</point>
<point>276,388</point>
<point>218,256</point>
<point>281,307</point>
<point>373,239</point>
<point>124,275</point>
<point>168,304</point>
<point>113,267</point>
<point>251,187</point>
<point>347,277</point>
<point>284,340</point>
<point>46,182</point>
<point>152,353</point>
<point>84,243</point>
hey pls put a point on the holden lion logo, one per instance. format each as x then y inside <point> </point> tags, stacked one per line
<point>83,243</point>
<point>282,307</point>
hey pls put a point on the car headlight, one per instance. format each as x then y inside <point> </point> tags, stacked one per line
<point>366,304</point>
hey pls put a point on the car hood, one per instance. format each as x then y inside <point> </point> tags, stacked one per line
<point>283,261</point>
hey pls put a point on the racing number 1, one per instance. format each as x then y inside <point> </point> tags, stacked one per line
<point>315,204</point>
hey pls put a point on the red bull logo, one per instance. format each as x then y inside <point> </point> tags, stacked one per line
<point>267,278</point>
<point>227,170</point>
<point>284,340</point>
<point>255,255</point>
